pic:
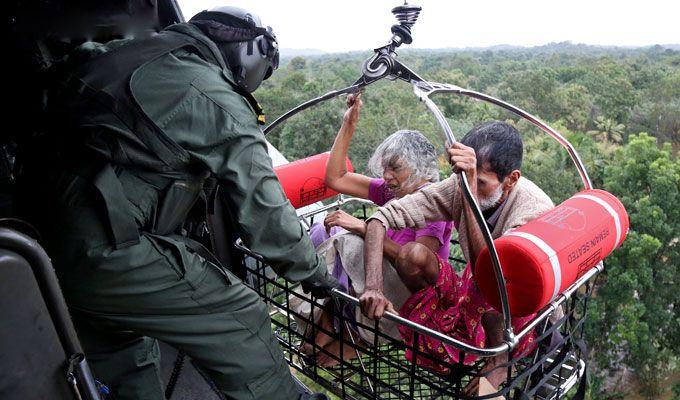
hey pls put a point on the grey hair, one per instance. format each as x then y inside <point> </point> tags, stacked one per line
<point>410,147</point>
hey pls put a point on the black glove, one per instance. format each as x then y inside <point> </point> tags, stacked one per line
<point>321,284</point>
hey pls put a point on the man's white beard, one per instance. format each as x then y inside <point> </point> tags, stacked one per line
<point>492,201</point>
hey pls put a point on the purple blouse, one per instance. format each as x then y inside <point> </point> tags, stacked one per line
<point>380,193</point>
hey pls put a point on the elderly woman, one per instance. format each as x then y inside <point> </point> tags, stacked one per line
<point>406,162</point>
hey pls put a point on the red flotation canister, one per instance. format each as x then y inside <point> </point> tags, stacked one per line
<point>303,180</point>
<point>544,257</point>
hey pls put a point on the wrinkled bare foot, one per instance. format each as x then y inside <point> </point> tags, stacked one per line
<point>349,352</point>
<point>322,339</point>
<point>307,348</point>
<point>490,380</point>
<point>492,377</point>
<point>480,387</point>
<point>325,322</point>
<point>492,322</point>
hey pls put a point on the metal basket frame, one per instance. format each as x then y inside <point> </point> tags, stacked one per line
<point>522,379</point>
<point>382,370</point>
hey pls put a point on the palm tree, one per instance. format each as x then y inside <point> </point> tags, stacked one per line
<point>607,130</point>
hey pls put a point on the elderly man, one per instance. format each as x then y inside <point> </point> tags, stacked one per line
<point>491,156</point>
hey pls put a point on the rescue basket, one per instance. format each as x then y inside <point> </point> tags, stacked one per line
<point>379,367</point>
<point>381,370</point>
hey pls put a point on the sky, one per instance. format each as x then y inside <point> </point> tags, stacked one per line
<point>348,25</point>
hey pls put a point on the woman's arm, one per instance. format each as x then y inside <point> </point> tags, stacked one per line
<point>373,302</point>
<point>337,176</point>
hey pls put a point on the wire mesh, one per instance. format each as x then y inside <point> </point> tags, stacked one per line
<point>379,368</point>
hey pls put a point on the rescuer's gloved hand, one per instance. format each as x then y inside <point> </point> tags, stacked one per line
<point>320,284</point>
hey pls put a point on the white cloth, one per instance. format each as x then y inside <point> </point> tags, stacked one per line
<point>350,248</point>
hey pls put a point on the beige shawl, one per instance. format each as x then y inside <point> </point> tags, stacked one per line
<point>443,201</point>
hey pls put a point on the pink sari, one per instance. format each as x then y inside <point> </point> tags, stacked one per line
<point>453,306</point>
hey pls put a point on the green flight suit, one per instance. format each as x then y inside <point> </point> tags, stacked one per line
<point>151,286</point>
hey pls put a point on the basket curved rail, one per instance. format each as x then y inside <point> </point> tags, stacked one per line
<point>383,64</point>
<point>423,90</point>
<point>541,316</point>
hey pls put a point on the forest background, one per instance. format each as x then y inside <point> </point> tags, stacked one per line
<point>620,107</point>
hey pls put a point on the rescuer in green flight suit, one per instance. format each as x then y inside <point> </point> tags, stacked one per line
<point>144,125</point>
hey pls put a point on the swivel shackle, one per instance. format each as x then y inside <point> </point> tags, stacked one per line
<point>406,15</point>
